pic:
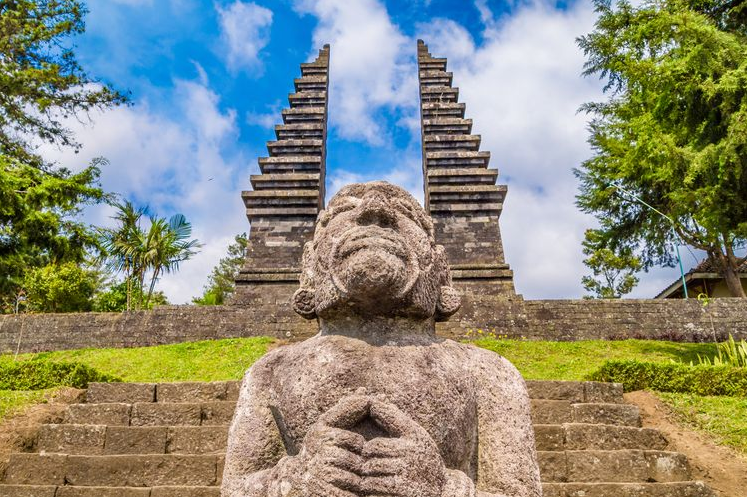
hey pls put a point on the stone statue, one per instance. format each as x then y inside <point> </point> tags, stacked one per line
<point>376,404</point>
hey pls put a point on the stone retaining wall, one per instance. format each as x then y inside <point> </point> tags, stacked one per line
<point>677,320</point>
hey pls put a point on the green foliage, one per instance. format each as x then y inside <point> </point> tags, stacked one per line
<point>60,288</point>
<point>673,132</point>
<point>730,353</point>
<point>210,360</point>
<point>222,280</point>
<point>159,249</point>
<point>114,299</point>
<point>674,377</point>
<point>39,375</point>
<point>612,273</point>
<point>722,418</point>
<point>41,81</point>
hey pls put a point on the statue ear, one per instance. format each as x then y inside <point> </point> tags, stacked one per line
<point>303,303</point>
<point>449,301</point>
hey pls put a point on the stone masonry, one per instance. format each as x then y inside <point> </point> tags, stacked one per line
<point>169,440</point>
<point>287,196</point>
<point>460,191</point>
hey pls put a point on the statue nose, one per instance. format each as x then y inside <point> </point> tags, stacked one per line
<point>376,210</point>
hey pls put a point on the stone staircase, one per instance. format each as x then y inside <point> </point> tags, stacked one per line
<point>168,440</point>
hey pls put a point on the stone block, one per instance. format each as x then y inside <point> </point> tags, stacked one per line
<point>667,466</point>
<point>689,489</point>
<point>28,490</point>
<point>141,470</point>
<point>607,466</point>
<point>572,391</point>
<point>197,440</point>
<point>551,412</point>
<point>72,439</point>
<point>613,414</point>
<point>158,414</point>
<point>136,440</point>
<point>553,466</point>
<point>217,413</point>
<point>128,393</point>
<point>549,437</point>
<point>98,414</point>
<point>191,391</point>
<point>598,392</point>
<point>612,437</point>
<point>36,469</point>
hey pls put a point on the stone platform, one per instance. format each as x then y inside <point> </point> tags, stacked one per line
<point>168,440</point>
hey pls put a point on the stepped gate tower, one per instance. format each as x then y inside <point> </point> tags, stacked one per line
<point>460,192</point>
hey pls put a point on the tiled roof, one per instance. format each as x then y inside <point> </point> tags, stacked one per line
<point>708,266</point>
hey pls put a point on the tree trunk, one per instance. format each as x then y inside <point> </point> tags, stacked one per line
<point>729,269</point>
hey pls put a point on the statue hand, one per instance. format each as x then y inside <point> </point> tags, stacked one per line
<point>330,459</point>
<point>407,465</point>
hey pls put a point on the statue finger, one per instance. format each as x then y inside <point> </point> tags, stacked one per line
<point>382,466</point>
<point>323,488</point>
<point>384,485</point>
<point>341,479</point>
<point>393,420</point>
<point>347,413</point>
<point>385,448</point>
<point>343,459</point>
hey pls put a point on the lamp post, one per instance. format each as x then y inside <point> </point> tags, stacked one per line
<point>671,221</point>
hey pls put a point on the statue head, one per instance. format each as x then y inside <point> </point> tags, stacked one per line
<point>374,255</point>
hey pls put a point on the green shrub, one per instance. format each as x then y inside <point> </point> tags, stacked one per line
<point>38,375</point>
<point>729,353</point>
<point>673,377</point>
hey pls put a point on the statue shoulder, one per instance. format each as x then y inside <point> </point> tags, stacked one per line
<point>486,362</point>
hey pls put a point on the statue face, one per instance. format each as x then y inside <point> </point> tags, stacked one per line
<point>374,251</point>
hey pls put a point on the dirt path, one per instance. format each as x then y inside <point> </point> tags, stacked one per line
<point>723,469</point>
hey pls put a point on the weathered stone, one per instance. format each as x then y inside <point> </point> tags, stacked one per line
<point>141,470</point>
<point>157,414</point>
<point>550,412</point>
<point>572,391</point>
<point>72,439</point>
<point>98,414</point>
<point>610,437</point>
<point>217,413</point>
<point>135,440</point>
<point>29,490</point>
<point>598,392</point>
<point>607,466</point>
<point>36,469</point>
<point>197,440</point>
<point>376,392</point>
<point>127,393</point>
<point>667,466</point>
<point>616,414</point>
<point>192,392</point>
<point>185,492</point>
<point>67,491</point>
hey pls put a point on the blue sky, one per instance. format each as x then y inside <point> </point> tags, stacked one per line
<point>208,80</point>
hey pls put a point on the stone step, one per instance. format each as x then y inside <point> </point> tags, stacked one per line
<point>447,126</point>
<point>284,181</point>
<point>290,164</point>
<point>436,78</point>
<point>86,439</point>
<point>439,94</point>
<point>311,83</point>
<point>465,194</point>
<point>556,412</point>
<point>295,147</point>
<point>677,489</point>
<point>451,158</point>
<point>130,393</point>
<point>449,142</point>
<point>313,69</point>
<point>432,65</point>
<point>584,436</point>
<point>114,471</point>
<point>80,439</point>
<point>152,413</point>
<point>613,466</point>
<point>303,115</point>
<point>443,109</point>
<point>307,99</point>
<point>472,176</point>
<point>299,131</point>
<point>70,491</point>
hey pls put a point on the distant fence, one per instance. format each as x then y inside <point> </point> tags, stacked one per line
<point>676,320</point>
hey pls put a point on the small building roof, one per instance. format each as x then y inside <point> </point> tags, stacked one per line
<point>705,270</point>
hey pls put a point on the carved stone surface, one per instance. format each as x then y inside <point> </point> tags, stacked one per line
<point>376,404</point>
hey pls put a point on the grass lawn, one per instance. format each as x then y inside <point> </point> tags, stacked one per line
<point>722,418</point>
<point>12,401</point>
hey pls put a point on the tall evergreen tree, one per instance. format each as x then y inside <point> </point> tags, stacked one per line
<point>673,131</point>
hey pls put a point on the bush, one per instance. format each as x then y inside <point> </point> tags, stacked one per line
<point>673,377</point>
<point>38,375</point>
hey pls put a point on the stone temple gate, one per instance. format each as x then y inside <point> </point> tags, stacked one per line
<point>461,194</point>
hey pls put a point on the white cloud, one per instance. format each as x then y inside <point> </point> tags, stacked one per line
<point>173,163</point>
<point>245,30</point>
<point>370,67</point>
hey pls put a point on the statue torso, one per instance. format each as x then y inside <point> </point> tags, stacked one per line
<point>427,382</point>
